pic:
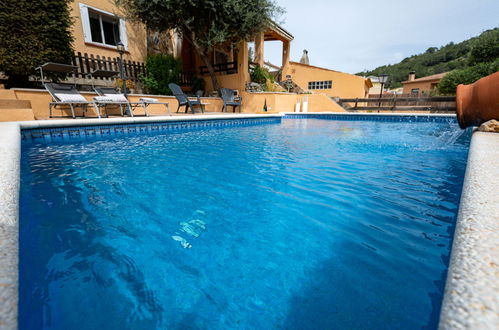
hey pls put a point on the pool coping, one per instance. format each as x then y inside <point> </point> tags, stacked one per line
<point>471,298</point>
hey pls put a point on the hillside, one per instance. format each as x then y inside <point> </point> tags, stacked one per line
<point>442,59</point>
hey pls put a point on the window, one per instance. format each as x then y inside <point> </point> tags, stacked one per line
<point>103,28</point>
<point>415,91</point>
<point>326,84</point>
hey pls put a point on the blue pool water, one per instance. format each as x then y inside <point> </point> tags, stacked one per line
<point>303,224</point>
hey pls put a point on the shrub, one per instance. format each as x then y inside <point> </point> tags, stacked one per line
<point>260,75</point>
<point>469,75</point>
<point>485,48</point>
<point>129,83</point>
<point>161,70</point>
<point>197,84</point>
<point>32,33</point>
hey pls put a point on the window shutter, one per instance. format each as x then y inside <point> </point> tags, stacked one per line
<point>85,23</point>
<point>123,36</point>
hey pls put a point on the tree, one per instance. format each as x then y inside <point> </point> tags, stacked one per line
<point>204,23</point>
<point>33,32</point>
<point>485,48</point>
<point>161,70</point>
<point>469,75</point>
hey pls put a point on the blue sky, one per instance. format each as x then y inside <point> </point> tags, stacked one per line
<point>353,35</point>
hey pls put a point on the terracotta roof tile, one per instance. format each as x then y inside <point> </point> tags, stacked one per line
<point>427,78</point>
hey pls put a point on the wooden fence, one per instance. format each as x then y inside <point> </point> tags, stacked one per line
<point>87,63</point>
<point>133,70</point>
<point>401,103</point>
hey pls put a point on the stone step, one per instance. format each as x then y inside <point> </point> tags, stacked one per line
<point>16,114</point>
<point>7,94</point>
<point>14,104</point>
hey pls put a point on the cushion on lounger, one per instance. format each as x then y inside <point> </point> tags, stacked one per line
<point>72,98</point>
<point>148,100</point>
<point>102,99</point>
<point>116,97</point>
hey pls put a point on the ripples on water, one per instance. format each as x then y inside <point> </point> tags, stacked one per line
<point>305,224</point>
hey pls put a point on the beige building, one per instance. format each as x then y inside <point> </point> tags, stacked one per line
<point>99,26</point>
<point>423,85</point>
<point>330,82</point>
<point>376,85</point>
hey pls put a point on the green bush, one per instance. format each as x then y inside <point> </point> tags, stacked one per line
<point>161,70</point>
<point>32,33</point>
<point>197,84</point>
<point>469,75</point>
<point>485,48</point>
<point>260,75</point>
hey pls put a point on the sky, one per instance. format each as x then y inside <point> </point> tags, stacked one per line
<point>354,35</point>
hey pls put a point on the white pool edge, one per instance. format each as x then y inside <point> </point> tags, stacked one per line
<point>471,297</point>
<point>10,153</point>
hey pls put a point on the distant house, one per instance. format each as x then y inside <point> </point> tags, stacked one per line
<point>376,88</point>
<point>330,82</point>
<point>421,85</point>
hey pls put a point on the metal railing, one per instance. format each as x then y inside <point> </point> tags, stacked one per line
<point>400,103</point>
<point>224,68</point>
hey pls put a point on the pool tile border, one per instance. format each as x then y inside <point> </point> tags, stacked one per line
<point>471,298</point>
<point>53,134</point>
<point>434,118</point>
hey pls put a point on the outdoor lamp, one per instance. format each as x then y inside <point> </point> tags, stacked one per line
<point>120,48</point>
<point>382,80</point>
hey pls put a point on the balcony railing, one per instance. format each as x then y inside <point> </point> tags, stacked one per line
<point>224,68</point>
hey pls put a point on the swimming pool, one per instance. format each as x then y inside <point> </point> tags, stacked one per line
<point>299,223</point>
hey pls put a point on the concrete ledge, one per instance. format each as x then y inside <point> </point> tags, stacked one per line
<point>471,299</point>
<point>10,150</point>
<point>133,120</point>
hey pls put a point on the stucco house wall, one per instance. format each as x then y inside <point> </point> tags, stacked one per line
<point>136,33</point>
<point>344,85</point>
<point>423,86</point>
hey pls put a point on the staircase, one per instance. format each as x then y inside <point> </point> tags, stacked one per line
<point>12,109</point>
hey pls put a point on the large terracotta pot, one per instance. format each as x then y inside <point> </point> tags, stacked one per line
<point>478,102</point>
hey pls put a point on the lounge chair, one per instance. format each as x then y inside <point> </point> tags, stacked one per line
<point>111,96</point>
<point>199,94</point>
<point>183,100</point>
<point>67,96</point>
<point>230,100</point>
